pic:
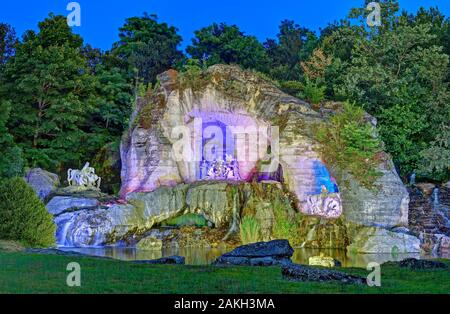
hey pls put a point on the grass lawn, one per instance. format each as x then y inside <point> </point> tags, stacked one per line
<point>29,273</point>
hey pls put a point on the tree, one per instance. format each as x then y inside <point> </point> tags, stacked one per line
<point>49,84</point>
<point>398,74</point>
<point>8,41</point>
<point>11,162</point>
<point>147,47</point>
<point>293,45</point>
<point>222,43</point>
<point>435,162</point>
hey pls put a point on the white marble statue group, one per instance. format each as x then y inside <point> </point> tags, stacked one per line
<point>85,177</point>
<point>227,169</point>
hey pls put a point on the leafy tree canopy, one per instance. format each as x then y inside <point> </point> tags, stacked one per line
<point>148,47</point>
<point>222,43</point>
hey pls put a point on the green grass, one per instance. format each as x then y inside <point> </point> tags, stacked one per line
<point>27,273</point>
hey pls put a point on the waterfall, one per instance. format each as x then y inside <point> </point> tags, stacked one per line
<point>436,197</point>
<point>84,228</point>
<point>61,234</point>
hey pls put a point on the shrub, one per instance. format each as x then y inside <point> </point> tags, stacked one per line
<point>193,76</point>
<point>250,230</point>
<point>313,92</point>
<point>435,162</point>
<point>284,227</point>
<point>291,87</point>
<point>187,220</point>
<point>23,217</point>
<point>349,144</point>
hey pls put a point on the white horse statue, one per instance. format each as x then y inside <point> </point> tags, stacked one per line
<point>85,177</point>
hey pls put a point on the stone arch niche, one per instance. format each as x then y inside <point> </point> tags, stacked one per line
<point>231,141</point>
<point>235,98</point>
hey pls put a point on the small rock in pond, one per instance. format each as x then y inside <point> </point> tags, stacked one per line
<point>324,261</point>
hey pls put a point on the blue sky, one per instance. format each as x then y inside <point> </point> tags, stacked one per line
<point>102,18</point>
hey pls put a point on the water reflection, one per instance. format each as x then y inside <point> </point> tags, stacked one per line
<point>197,256</point>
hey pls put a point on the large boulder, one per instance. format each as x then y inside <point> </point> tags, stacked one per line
<point>303,273</point>
<point>228,98</point>
<point>384,206</point>
<point>96,227</point>
<point>378,240</point>
<point>278,252</point>
<point>60,204</point>
<point>212,200</point>
<point>149,244</point>
<point>42,182</point>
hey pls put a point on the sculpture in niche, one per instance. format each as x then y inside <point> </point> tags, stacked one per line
<point>326,205</point>
<point>323,198</point>
<point>220,169</point>
<point>85,177</point>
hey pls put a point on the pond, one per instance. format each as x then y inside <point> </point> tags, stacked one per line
<point>199,256</point>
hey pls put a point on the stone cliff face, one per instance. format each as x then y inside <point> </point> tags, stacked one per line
<point>229,98</point>
<point>228,145</point>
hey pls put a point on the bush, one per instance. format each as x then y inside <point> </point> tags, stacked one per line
<point>250,230</point>
<point>284,227</point>
<point>349,144</point>
<point>435,160</point>
<point>291,87</point>
<point>23,217</point>
<point>193,76</point>
<point>313,92</point>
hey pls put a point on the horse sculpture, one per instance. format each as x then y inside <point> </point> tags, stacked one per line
<point>85,177</point>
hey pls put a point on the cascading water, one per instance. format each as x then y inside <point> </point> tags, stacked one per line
<point>84,228</point>
<point>440,208</point>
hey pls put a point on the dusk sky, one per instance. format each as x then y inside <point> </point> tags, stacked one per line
<point>101,19</point>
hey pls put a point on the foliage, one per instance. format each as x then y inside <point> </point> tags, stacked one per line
<point>222,43</point>
<point>193,75</point>
<point>398,72</point>
<point>314,68</point>
<point>435,162</point>
<point>314,92</point>
<point>69,101</point>
<point>349,143</point>
<point>8,41</point>
<point>250,230</point>
<point>293,44</point>
<point>293,88</point>
<point>284,226</point>
<point>48,84</point>
<point>148,47</point>
<point>23,217</point>
<point>187,220</point>
<point>11,162</point>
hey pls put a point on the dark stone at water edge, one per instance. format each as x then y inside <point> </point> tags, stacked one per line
<point>413,263</point>
<point>278,252</point>
<point>178,260</point>
<point>296,272</point>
